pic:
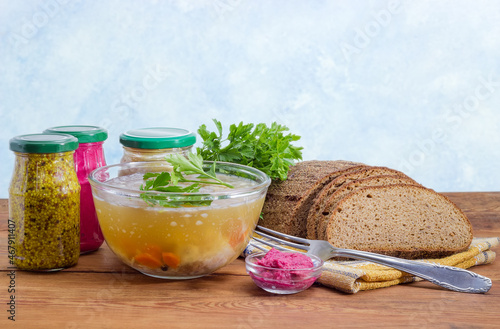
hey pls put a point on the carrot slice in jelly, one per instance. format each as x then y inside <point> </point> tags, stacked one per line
<point>237,238</point>
<point>148,260</point>
<point>171,259</point>
<point>154,250</point>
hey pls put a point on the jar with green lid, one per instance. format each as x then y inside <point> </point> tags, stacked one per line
<point>44,202</point>
<point>154,144</point>
<point>88,156</point>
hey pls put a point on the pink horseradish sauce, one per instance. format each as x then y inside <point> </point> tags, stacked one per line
<point>88,157</point>
<point>284,271</point>
<point>277,259</point>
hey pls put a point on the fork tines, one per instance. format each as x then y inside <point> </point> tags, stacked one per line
<point>270,235</point>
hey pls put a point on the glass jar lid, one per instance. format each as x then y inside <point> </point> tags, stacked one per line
<point>85,134</point>
<point>157,138</point>
<point>43,143</point>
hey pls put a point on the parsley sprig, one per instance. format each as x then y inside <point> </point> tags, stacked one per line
<point>266,148</point>
<point>193,165</point>
<point>169,182</point>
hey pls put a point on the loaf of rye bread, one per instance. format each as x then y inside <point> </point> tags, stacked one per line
<point>407,221</point>
<point>317,209</point>
<point>418,222</point>
<point>288,202</point>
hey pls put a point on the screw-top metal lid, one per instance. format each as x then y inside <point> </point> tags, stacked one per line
<point>157,138</point>
<point>43,143</point>
<point>85,134</point>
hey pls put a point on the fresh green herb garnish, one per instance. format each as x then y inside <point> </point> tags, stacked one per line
<point>262,147</point>
<point>193,165</point>
<point>168,182</point>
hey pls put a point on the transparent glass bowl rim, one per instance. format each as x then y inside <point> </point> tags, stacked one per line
<point>318,263</point>
<point>262,179</point>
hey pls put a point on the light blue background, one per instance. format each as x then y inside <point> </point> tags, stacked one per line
<point>412,85</point>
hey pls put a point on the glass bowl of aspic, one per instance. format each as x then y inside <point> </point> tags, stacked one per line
<point>181,219</point>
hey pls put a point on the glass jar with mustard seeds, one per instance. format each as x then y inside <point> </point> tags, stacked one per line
<point>44,202</point>
<point>88,156</point>
<point>154,144</point>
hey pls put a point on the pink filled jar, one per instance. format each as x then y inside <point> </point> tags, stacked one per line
<point>88,156</point>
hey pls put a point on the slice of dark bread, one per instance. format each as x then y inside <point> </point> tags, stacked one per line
<point>288,202</point>
<point>407,221</point>
<point>330,204</point>
<point>314,215</point>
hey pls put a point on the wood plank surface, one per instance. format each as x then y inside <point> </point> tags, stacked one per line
<point>101,292</point>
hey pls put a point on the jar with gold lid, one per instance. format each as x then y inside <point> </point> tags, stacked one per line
<point>44,202</point>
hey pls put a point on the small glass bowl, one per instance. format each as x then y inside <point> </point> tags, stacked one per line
<point>282,281</point>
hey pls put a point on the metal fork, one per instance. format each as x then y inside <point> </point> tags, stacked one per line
<point>449,277</point>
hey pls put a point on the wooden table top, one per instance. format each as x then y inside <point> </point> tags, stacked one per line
<point>102,292</point>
